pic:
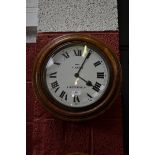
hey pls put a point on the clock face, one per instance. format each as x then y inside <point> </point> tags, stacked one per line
<point>76,75</point>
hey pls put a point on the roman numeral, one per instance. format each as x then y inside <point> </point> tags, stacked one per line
<point>100,75</point>
<point>97,86</point>
<point>77,52</point>
<point>66,97</point>
<point>76,99</point>
<point>66,55</point>
<point>63,93</point>
<point>53,75</point>
<point>89,95</point>
<point>97,63</point>
<point>54,84</point>
<point>56,63</point>
<point>57,89</point>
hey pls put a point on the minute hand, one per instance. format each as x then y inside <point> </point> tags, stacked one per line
<point>84,62</point>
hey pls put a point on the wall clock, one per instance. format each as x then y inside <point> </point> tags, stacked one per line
<point>76,77</point>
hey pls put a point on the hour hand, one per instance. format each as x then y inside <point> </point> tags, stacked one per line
<point>88,83</point>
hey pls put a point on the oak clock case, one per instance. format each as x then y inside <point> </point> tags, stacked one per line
<point>76,77</point>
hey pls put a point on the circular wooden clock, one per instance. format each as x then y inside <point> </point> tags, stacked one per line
<point>76,77</point>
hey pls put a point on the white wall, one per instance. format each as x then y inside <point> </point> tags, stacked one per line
<point>77,15</point>
<point>70,15</point>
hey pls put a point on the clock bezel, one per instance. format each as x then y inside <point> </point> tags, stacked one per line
<point>44,84</point>
<point>83,113</point>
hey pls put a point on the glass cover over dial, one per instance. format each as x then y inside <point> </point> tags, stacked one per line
<point>76,75</point>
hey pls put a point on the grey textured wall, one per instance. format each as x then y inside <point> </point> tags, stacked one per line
<point>77,15</point>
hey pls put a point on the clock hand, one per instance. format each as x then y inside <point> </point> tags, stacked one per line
<point>83,62</point>
<point>88,83</point>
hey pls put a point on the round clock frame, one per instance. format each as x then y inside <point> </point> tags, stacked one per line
<point>83,113</point>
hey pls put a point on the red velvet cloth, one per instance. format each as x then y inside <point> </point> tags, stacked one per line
<point>49,136</point>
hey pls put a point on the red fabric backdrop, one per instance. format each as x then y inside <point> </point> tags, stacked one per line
<point>49,136</point>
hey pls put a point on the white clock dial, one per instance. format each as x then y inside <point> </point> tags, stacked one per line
<point>76,75</point>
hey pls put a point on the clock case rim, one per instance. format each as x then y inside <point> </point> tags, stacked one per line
<point>82,113</point>
<point>44,85</point>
